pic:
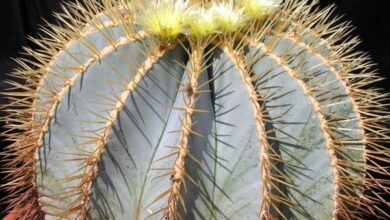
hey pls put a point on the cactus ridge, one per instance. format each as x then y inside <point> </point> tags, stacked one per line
<point>317,106</point>
<point>267,153</point>
<point>126,114</point>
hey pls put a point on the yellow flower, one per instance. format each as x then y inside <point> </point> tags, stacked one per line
<point>226,18</point>
<point>258,9</point>
<point>200,22</point>
<point>164,19</point>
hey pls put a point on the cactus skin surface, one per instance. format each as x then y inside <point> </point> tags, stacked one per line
<point>196,109</point>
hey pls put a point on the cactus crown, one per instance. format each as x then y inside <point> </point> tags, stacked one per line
<point>235,109</point>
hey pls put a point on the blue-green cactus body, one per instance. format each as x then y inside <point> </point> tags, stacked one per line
<point>64,140</point>
<point>145,114</point>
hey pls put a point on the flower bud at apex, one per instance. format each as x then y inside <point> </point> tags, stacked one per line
<point>258,9</point>
<point>165,18</point>
<point>226,18</point>
<point>169,18</point>
<point>200,22</point>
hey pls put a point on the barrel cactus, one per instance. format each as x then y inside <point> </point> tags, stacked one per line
<point>174,109</point>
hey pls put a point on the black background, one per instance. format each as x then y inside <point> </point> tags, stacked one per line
<point>21,18</point>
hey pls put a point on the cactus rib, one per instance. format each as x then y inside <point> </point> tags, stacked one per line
<point>70,82</point>
<point>368,104</point>
<point>92,160</point>
<point>353,168</point>
<point>178,172</point>
<point>266,152</point>
<point>317,106</point>
<point>365,103</point>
